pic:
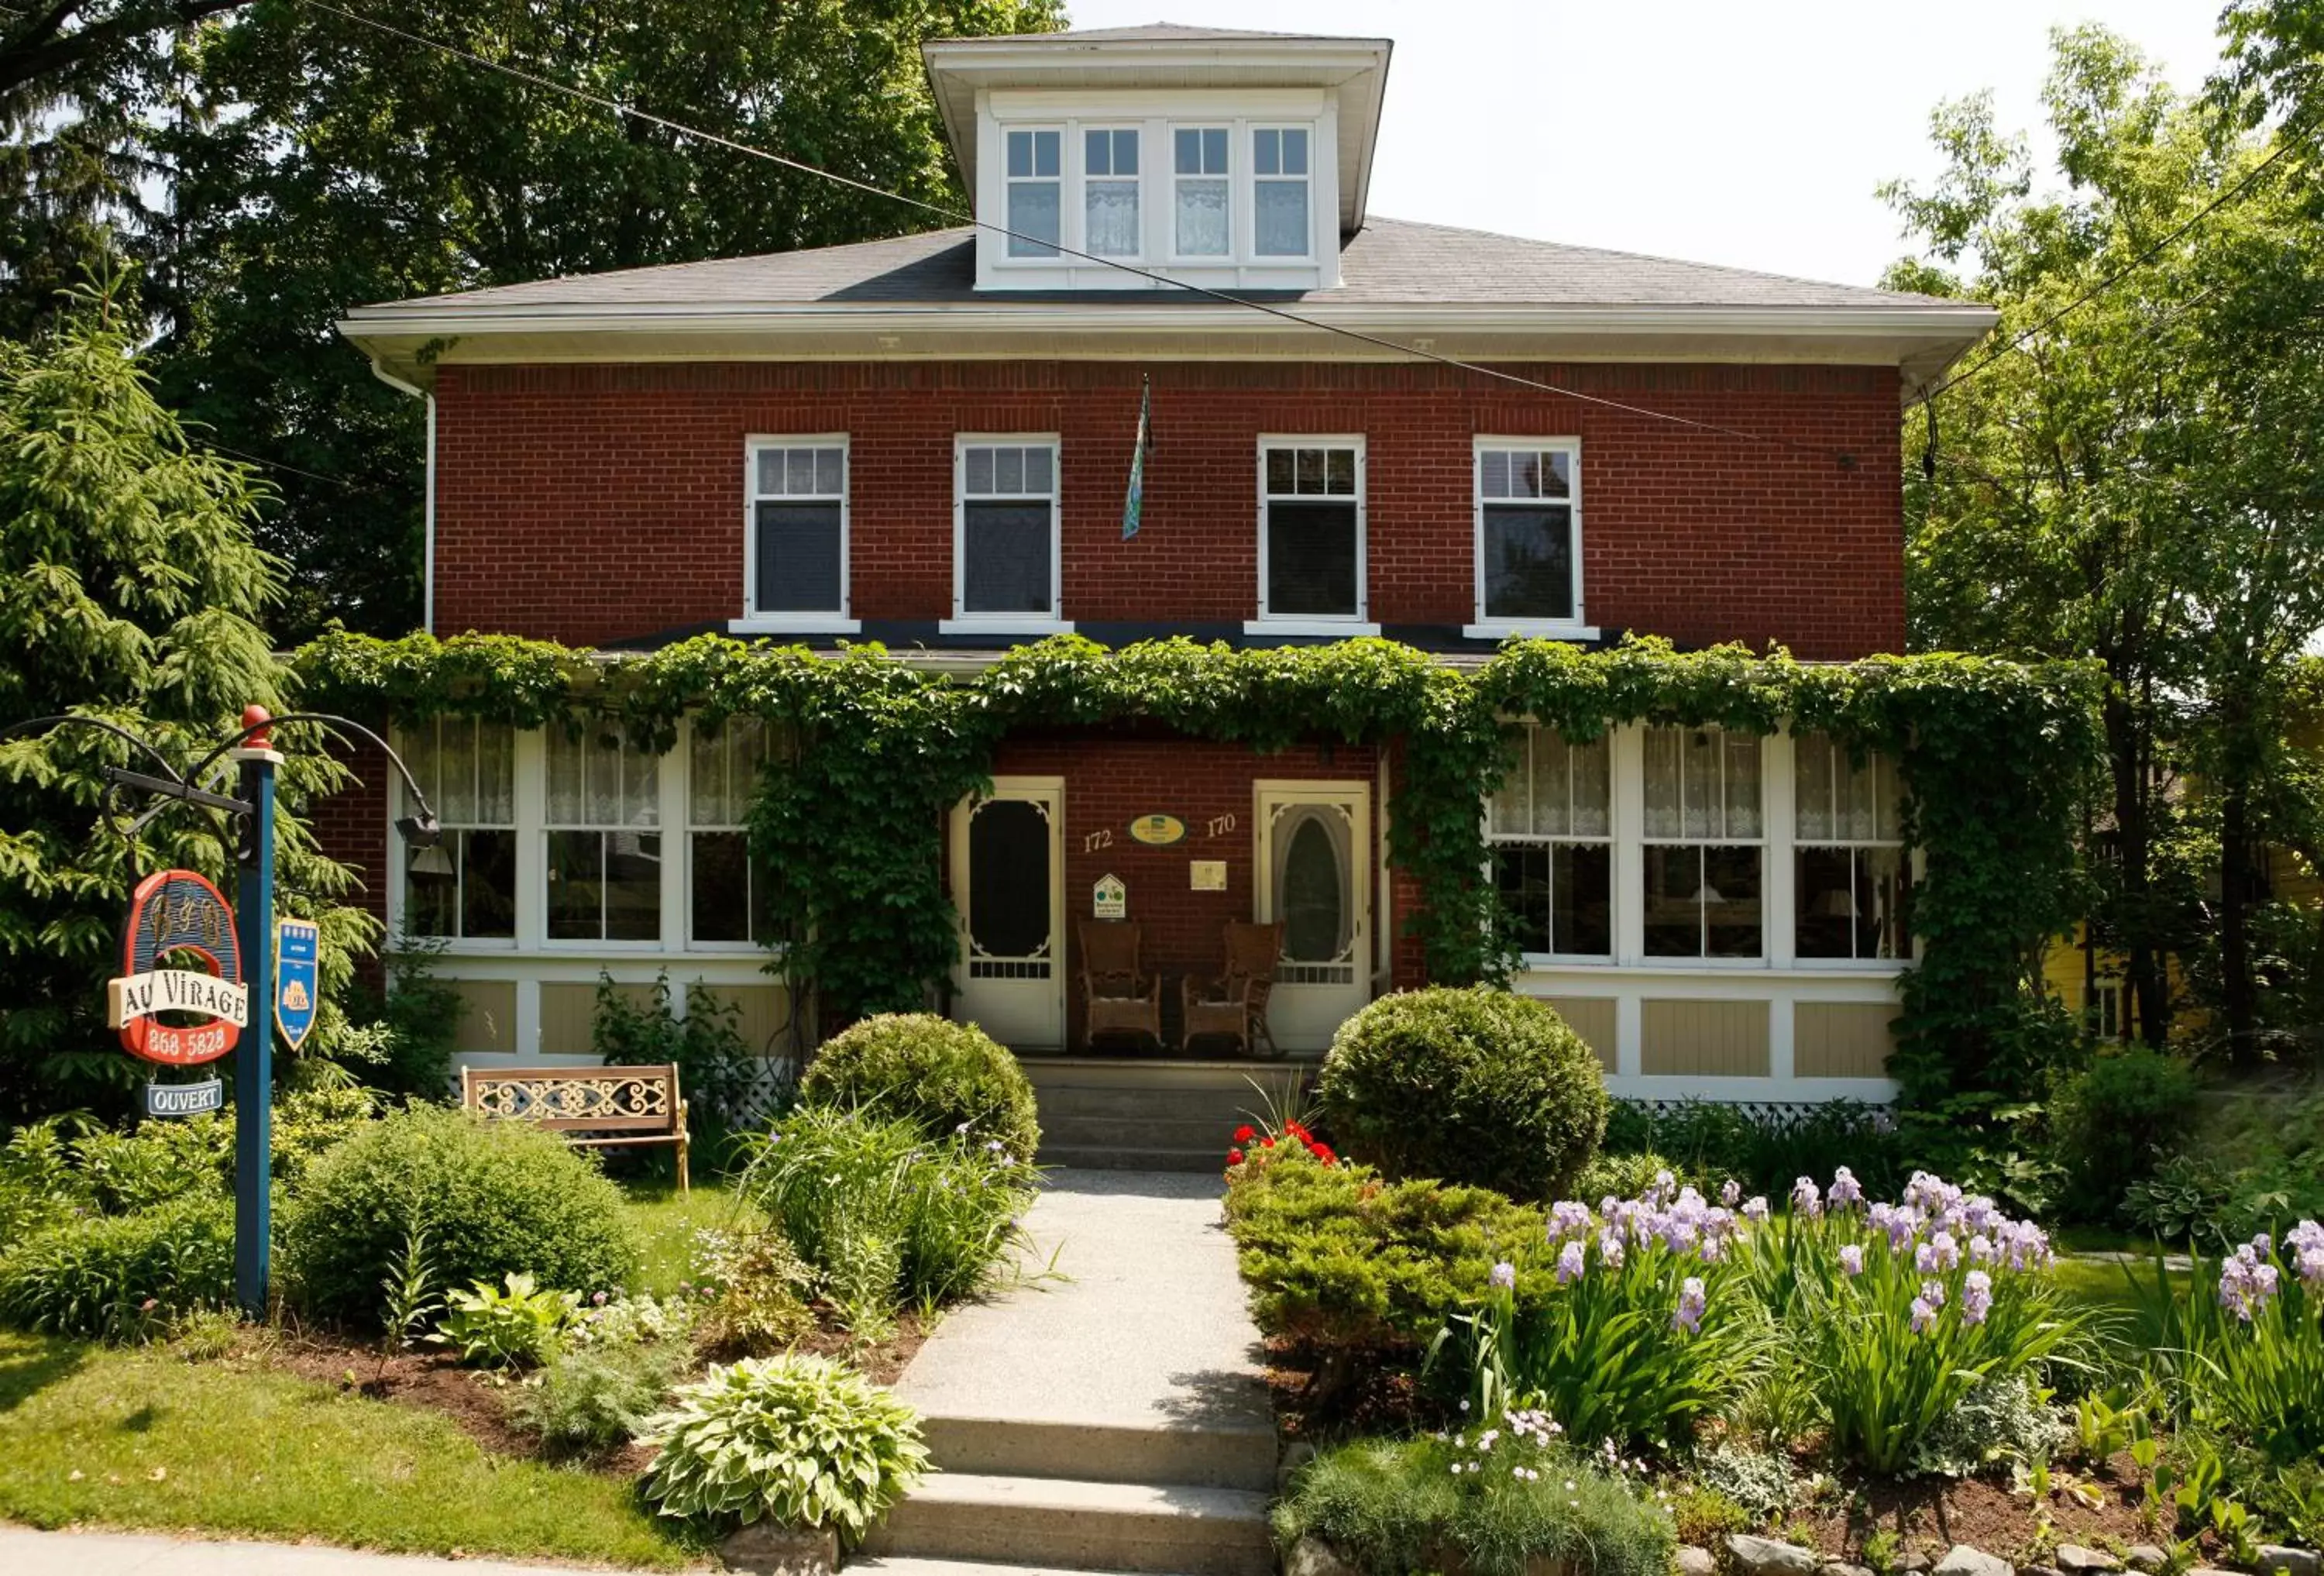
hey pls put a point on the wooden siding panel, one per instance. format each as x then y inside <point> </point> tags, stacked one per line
<point>1703,1039</point>
<point>1591,1018</point>
<point>764,1016</point>
<point>487,1016</point>
<point>568,1017</point>
<point>1841,1039</point>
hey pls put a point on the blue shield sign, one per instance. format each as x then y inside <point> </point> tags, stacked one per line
<point>297,948</point>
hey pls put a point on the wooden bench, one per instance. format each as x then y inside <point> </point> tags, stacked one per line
<point>593,1107</point>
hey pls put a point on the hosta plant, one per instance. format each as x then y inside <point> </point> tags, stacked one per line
<point>1634,1331</point>
<point>517,1328</point>
<point>799,1440</point>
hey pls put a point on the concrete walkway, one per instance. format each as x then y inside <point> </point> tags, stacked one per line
<point>26,1553</point>
<point>1147,1328</point>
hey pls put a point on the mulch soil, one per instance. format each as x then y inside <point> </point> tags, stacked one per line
<point>2098,1508</point>
<point>478,1401</point>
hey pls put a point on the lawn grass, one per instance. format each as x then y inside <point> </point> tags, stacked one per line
<point>665,1222</point>
<point>143,1438</point>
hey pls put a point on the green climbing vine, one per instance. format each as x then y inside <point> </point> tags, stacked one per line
<point>851,818</point>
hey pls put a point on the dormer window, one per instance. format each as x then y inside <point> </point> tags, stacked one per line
<point>1201,202</point>
<point>1110,191</point>
<point>1036,184</point>
<point>1279,163</point>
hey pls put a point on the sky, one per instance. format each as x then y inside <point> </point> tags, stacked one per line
<point>1751,132</point>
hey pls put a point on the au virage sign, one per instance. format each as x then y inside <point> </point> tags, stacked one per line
<point>177,914</point>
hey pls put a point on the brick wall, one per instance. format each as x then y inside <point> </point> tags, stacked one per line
<point>1110,781</point>
<point>592,505</point>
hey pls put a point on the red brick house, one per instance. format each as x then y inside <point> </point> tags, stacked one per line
<point>926,442</point>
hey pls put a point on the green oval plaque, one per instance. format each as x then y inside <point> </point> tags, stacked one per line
<point>1158,831</point>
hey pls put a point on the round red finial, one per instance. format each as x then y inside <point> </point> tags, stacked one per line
<point>255,717</point>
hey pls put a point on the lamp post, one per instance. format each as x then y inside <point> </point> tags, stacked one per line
<point>252,751</point>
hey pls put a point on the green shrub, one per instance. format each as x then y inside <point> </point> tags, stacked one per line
<point>1709,1141</point>
<point>2006,1420</point>
<point>799,1440</point>
<point>595,1397</point>
<point>755,1286</point>
<point>309,1123</point>
<point>1474,1085</point>
<point>493,1197</point>
<point>2252,1164</point>
<point>869,1202</point>
<point>39,1185</point>
<point>1610,1176</point>
<point>521,1327</point>
<point>1762,1484</point>
<point>157,1161</point>
<point>122,1277</point>
<point>1390,1507</point>
<point>1336,1255</point>
<point>716,1068</point>
<point>2112,1123</point>
<point>947,1079</point>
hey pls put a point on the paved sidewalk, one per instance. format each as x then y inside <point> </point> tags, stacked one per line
<point>1149,1327</point>
<point>26,1553</point>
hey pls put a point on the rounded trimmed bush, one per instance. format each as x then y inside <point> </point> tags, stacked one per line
<point>1473,1086</point>
<point>495,1198</point>
<point>939,1075</point>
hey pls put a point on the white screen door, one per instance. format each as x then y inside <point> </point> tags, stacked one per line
<point>1008,887</point>
<point>1314,876</point>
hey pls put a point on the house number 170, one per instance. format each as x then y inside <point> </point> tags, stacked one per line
<point>1217,825</point>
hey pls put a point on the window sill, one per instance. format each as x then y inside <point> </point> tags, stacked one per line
<point>1505,629</point>
<point>1004,624</point>
<point>1346,629</point>
<point>795,623</point>
<point>1826,969</point>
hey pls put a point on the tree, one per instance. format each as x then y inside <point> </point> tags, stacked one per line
<point>328,164</point>
<point>130,590</point>
<point>2136,480</point>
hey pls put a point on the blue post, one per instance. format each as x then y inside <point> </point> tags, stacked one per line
<point>253,1063</point>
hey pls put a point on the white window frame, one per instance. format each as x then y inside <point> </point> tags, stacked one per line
<point>1797,844</point>
<point>1238,200</point>
<point>1250,130</point>
<point>1078,233</point>
<point>963,622</point>
<point>769,740</point>
<point>1611,841</point>
<point>1767,842</point>
<point>1335,625</point>
<point>1061,181</point>
<point>401,853</point>
<point>668,771</point>
<point>795,622</point>
<point>1488,627</point>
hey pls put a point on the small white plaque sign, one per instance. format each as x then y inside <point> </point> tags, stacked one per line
<point>1209,875</point>
<point>1109,898</point>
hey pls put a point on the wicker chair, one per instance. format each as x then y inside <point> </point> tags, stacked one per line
<point>1118,995</point>
<point>1234,1004</point>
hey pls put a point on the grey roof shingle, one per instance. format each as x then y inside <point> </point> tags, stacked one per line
<point>1389,261</point>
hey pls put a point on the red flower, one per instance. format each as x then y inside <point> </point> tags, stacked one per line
<point>1266,1143</point>
<point>1296,1131</point>
<point>1234,1157</point>
<point>1244,1134</point>
<point>1322,1152</point>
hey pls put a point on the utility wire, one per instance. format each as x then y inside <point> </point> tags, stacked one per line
<point>955,216</point>
<point>2017,342</point>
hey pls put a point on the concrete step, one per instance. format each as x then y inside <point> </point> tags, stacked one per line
<point>906,1566</point>
<point>1112,1102</point>
<point>1079,1525</point>
<point>1170,1132</point>
<point>1105,1157</point>
<point>1217,1454</point>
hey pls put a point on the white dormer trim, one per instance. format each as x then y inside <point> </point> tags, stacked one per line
<point>1157,114</point>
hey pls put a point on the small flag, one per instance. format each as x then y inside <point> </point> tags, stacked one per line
<point>1133,505</point>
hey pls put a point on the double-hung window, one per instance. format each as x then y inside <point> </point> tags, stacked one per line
<point>1311,532</point>
<point>1528,533</point>
<point>799,529</point>
<point>604,826</point>
<point>1203,193</point>
<point>1852,882</point>
<point>1005,543</point>
<point>722,776</point>
<point>463,888</point>
<point>1552,831</point>
<point>1035,191</point>
<point>1704,837</point>
<point>1110,226</point>
<point>1279,191</point>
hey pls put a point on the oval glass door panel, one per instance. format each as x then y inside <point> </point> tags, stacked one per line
<point>1008,887</point>
<point>1315,886</point>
